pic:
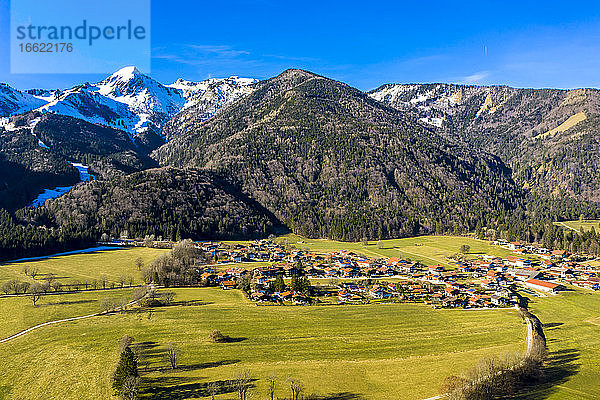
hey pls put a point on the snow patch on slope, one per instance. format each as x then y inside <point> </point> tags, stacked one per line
<point>49,194</point>
<point>435,121</point>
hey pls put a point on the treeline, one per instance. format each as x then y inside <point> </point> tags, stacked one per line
<point>502,377</point>
<point>18,240</point>
<point>535,222</point>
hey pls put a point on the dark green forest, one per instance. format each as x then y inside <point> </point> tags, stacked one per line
<point>305,154</point>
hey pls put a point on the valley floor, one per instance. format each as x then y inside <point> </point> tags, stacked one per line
<point>371,351</point>
<point>374,351</point>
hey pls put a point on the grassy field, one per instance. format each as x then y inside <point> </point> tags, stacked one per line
<point>572,327</point>
<point>18,313</point>
<point>373,351</point>
<point>429,250</point>
<point>84,267</point>
<point>577,226</point>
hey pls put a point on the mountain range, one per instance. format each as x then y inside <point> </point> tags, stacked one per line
<point>127,100</point>
<point>297,152</point>
<point>550,138</point>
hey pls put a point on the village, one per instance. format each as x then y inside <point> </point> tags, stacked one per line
<point>272,273</point>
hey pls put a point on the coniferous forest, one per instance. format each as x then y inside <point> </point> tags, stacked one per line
<point>300,153</point>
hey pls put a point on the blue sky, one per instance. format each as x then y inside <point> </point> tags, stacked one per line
<point>365,44</point>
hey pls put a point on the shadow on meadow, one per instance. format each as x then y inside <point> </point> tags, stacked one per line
<point>552,325</point>
<point>179,388</point>
<point>560,366</point>
<point>337,396</point>
<point>189,303</point>
<point>152,358</point>
<point>67,302</point>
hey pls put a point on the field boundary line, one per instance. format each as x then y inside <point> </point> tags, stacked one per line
<point>23,332</point>
<point>569,227</point>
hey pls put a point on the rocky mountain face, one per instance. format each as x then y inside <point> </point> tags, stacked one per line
<point>13,101</point>
<point>549,137</point>
<point>205,98</point>
<point>330,161</point>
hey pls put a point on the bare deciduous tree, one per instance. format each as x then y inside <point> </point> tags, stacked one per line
<point>139,263</point>
<point>56,286</point>
<point>107,304</point>
<point>126,341</point>
<point>11,286</point>
<point>131,388</point>
<point>213,389</point>
<point>50,277</point>
<point>22,287</point>
<point>168,297</point>
<point>172,354</point>
<point>34,271</point>
<point>103,281</point>
<point>271,382</point>
<point>36,292</point>
<point>241,384</point>
<point>296,388</point>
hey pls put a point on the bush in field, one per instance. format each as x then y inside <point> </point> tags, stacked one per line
<point>217,337</point>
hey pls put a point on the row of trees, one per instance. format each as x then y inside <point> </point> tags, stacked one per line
<point>49,284</point>
<point>501,377</point>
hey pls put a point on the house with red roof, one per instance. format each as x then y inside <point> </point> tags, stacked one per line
<point>543,286</point>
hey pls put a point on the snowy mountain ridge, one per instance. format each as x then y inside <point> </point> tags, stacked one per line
<point>128,99</point>
<point>13,101</point>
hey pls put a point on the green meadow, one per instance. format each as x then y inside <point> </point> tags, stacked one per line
<point>374,351</point>
<point>572,327</point>
<point>429,250</point>
<point>18,313</point>
<point>112,264</point>
<point>371,351</point>
<point>578,225</point>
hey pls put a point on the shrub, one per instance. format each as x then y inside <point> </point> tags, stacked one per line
<point>217,337</point>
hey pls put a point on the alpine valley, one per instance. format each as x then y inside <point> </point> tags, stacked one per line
<point>239,158</point>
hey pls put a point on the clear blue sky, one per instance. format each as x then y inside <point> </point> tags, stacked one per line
<point>365,43</point>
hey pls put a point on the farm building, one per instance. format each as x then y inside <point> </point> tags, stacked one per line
<point>544,286</point>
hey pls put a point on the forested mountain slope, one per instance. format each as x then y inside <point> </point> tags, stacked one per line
<point>549,137</point>
<point>329,161</point>
<point>166,202</point>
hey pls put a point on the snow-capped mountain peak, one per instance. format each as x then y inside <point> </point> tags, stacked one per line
<point>153,102</point>
<point>128,99</point>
